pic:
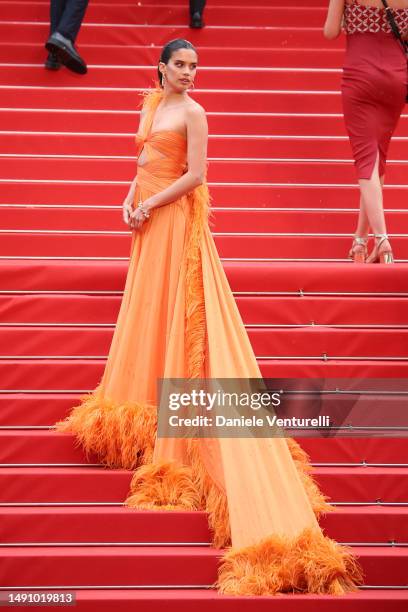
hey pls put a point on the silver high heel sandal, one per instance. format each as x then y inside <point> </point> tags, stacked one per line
<point>376,256</point>
<point>359,255</point>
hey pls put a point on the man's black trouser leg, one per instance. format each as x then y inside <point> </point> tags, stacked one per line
<point>197,6</point>
<point>67,16</point>
<point>56,11</point>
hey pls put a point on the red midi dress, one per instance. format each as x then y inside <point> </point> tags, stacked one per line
<point>374,83</point>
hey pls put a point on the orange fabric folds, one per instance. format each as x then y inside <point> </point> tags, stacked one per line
<point>178,319</point>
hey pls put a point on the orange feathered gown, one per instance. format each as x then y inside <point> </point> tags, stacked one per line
<point>178,319</point>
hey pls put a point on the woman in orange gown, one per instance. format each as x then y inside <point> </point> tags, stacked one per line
<point>178,319</point>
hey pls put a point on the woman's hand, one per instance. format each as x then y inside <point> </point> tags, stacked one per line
<point>126,211</point>
<point>137,219</point>
<point>149,204</point>
<point>140,215</point>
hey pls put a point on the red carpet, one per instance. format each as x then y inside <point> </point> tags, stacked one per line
<point>151,566</point>
<point>21,484</point>
<point>154,600</point>
<point>70,524</point>
<point>284,200</point>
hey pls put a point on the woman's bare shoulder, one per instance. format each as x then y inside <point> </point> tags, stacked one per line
<point>194,110</point>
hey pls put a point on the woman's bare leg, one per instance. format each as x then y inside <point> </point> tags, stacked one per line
<point>358,251</point>
<point>372,214</point>
<point>363,225</point>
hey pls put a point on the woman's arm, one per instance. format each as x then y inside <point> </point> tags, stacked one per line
<point>332,27</point>
<point>128,201</point>
<point>197,137</point>
<point>131,193</point>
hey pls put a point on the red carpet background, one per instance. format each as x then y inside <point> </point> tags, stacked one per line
<point>285,204</point>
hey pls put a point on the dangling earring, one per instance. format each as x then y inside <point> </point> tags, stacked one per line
<point>163,80</point>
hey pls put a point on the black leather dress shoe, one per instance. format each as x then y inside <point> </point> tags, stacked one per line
<point>66,53</point>
<point>52,63</point>
<point>196,21</point>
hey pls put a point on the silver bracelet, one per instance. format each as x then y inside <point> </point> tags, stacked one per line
<point>144,212</point>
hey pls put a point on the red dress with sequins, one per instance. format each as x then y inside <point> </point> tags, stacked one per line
<point>374,84</point>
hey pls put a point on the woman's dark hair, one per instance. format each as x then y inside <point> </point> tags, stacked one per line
<point>169,49</point>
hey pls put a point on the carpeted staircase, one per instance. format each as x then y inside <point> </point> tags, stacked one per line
<point>285,203</point>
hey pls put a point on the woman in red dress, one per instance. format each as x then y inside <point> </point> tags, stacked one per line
<point>374,89</point>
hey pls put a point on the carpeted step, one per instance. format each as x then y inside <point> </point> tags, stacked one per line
<point>86,484</point>
<point>53,524</point>
<point>310,134</point>
<point>39,410</point>
<point>142,566</point>
<point>275,99</point>
<point>299,278</point>
<point>223,220</point>
<point>334,343</point>
<point>162,13</point>
<point>277,195</point>
<point>201,600</point>
<point>363,411</point>
<point>365,484</point>
<point>255,310</point>
<point>329,248</point>
<point>356,450</point>
<point>334,368</point>
<point>355,311</point>
<point>334,278</point>
<point>82,375</point>
<point>288,142</point>
<point>43,446</point>
<point>28,409</point>
<point>311,342</point>
<point>101,310</point>
<point>103,524</point>
<point>208,56</point>
<point>140,34</point>
<point>206,78</point>
<point>156,566</point>
<point>236,171</point>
